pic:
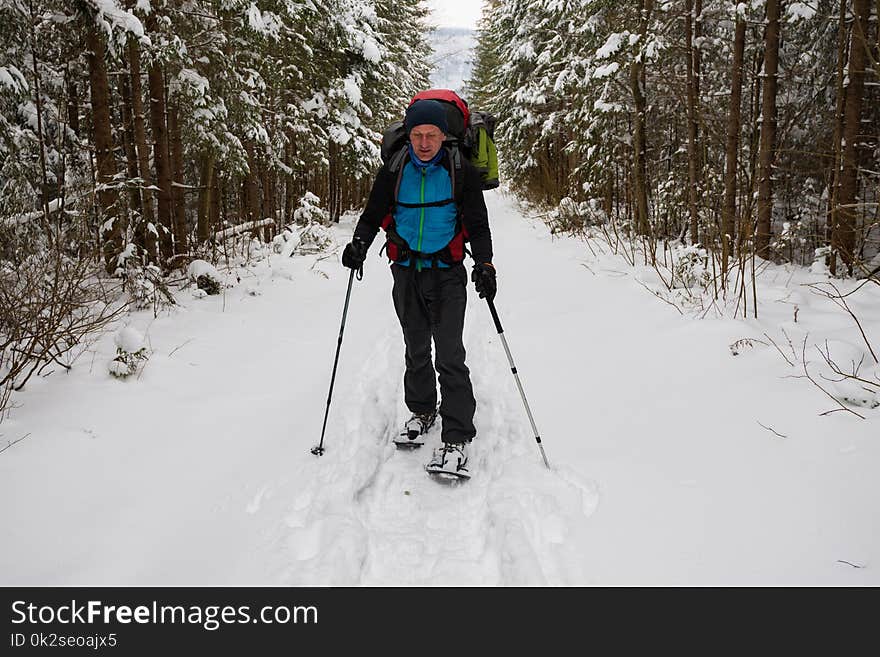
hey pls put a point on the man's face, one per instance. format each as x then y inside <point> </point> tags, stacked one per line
<point>426,140</point>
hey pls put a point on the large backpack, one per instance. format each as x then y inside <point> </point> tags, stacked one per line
<point>470,135</point>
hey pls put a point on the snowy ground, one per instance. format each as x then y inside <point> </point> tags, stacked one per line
<point>199,470</point>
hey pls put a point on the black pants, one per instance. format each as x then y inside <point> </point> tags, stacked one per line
<point>430,304</point>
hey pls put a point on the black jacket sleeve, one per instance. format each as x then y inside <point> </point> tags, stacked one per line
<point>378,205</point>
<point>475,217</point>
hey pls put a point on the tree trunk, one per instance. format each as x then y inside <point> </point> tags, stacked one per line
<point>269,202</point>
<point>144,236</point>
<point>72,100</point>
<point>206,185</point>
<point>216,204</point>
<point>636,78</point>
<point>251,205</point>
<point>289,191</point>
<point>609,194</point>
<point>843,237</point>
<point>747,195</point>
<point>698,33</point>
<point>728,221</point>
<point>840,94</point>
<point>333,183</point>
<point>270,174</point>
<point>767,153</point>
<point>272,209</point>
<point>692,123</point>
<point>38,101</point>
<point>111,229</point>
<point>160,151</point>
<point>177,196</point>
<point>128,142</point>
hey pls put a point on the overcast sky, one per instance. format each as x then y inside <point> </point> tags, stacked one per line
<point>455,13</point>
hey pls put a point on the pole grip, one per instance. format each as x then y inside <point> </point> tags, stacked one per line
<point>494,316</point>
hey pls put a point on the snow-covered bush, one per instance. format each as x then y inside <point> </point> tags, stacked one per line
<point>310,211</point>
<point>140,287</point>
<point>127,256</point>
<point>205,276</point>
<point>145,286</point>
<point>572,217</point>
<point>130,353</point>
<point>819,265</point>
<point>566,217</point>
<point>689,267</point>
<point>315,238</point>
<point>314,235</point>
<point>792,238</point>
<point>256,249</point>
<point>287,241</point>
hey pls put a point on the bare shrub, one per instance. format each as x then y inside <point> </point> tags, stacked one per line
<point>51,305</point>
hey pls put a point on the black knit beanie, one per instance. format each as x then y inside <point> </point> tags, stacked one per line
<point>422,112</point>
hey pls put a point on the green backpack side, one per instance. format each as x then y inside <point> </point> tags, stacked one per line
<point>482,152</point>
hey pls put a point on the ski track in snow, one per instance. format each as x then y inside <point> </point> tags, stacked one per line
<point>370,514</point>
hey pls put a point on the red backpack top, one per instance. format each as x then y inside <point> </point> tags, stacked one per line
<point>458,116</point>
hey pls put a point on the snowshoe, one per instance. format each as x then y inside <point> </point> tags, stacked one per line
<point>413,434</point>
<point>449,462</point>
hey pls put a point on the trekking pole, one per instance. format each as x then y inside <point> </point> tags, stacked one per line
<point>516,376</point>
<point>318,449</point>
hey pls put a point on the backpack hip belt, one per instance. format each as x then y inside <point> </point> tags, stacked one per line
<point>398,249</point>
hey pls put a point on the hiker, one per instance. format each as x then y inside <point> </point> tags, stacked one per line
<point>426,212</point>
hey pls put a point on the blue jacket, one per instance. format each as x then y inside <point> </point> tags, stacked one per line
<point>425,229</point>
<point>435,225</point>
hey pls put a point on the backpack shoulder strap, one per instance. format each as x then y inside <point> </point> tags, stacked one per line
<point>395,166</point>
<point>397,160</point>
<point>456,172</point>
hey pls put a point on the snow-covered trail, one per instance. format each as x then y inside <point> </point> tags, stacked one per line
<point>370,514</point>
<point>199,471</point>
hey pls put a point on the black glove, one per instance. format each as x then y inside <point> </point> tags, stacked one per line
<point>354,254</point>
<point>483,277</point>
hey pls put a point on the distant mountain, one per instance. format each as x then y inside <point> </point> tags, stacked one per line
<point>453,57</point>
